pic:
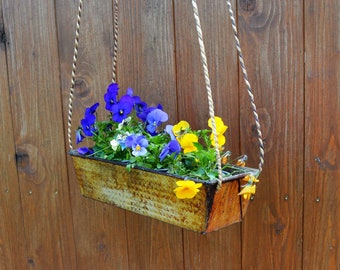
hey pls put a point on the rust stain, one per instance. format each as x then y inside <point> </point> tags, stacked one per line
<point>151,194</point>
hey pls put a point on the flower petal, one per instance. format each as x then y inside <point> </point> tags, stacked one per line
<point>180,128</point>
<point>186,189</point>
<point>248,189</point>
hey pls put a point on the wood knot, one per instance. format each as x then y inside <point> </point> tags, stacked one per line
<point>3,38</point>
<point>29,161</point>
<point>81,88</point>
<point>248,5</point>
<point>278,227</point>
<point>30,261</point>
<point>101,246</point>
<point>22,158</point>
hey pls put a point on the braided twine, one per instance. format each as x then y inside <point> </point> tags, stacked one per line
<point>115,41</point>
<point>75,57</point>
<point>205,71</point>
<point>249,90</point>
<point>73,76</point>
<point>209,92</point>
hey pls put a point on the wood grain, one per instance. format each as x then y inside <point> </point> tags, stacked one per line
<point>216,250</point>
<point>322,151</point>
<point>293,221</point>
<point>11,228</point>
<point>146,63</point>
<point>99,229</point>
<point>271,34</point>
<point>36,108</point>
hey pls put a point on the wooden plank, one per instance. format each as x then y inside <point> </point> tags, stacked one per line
<point>322,152</point>
<point>216,250</point>
<point>100,230</point>
<point>146,63</point>
<point>36,108</point>
<point>271,35</point>
<point>12,252</point>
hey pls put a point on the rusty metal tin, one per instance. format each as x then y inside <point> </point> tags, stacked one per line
<point>150,193</point>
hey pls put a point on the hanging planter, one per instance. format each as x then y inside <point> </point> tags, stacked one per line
<point>172,173</point>
<point>151,193</point>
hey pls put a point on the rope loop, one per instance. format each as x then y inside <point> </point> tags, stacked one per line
<point>75,58</point>
<point>209,92</point>
<point>208,89</point>
<point>248,86</point>
<point>205,71</point>
<point>73,75</point>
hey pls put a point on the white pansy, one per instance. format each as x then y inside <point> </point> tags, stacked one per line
<point>114,144</point>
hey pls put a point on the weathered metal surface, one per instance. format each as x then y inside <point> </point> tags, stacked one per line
<point>151,194</point>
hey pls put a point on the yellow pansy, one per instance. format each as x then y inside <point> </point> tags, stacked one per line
<point>247,191</point>
<point>250,179</point>
<point>180,128</point>
<point>220,139</point>
<point>187,142</point>
<point>186,189</point>
<point>241,163</point>
<point>220,126</point>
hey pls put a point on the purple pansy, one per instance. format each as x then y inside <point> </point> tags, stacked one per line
<point>87,124</point>
<point>154,119</point>
<point>144,111</point>
<point>85,151</point>
<point>129,92</point>
<point>111,96</point>
<point>172,147</point>
<point>168,129</point>
<point>92,109</point>
<point>138,105</point>
<point>79,136</point>
<point>138,143</point>
<point>122,108</point>
<point>140,108</point>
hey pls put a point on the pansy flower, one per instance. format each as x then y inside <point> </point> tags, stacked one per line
<point>187,142</point>
<point>125,122</point>
<point>220,126</point>
<point>92,109</point>
<point>220,139</point>
<point>122,109</point>
<point>140,108</point>
<point>114,144</point>
<point>168,129</point>
<point>187,189</point>
<point>136,99</point>
<point>111,96</point>
<point>220,129</point>
<point>172,147</point>
<point>138,143</point>
<point>144,110</point>
<point>248,191</point>
<point>79,136</point>
<point>180,129</point>
<point>154,119</point>
<point>120,139</point>
<point>87,124</point>
<point>85,151</point>
<point>129,92</point>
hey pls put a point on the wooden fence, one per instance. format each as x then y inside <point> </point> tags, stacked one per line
<point>292,52</point>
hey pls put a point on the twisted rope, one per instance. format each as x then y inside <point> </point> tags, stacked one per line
<point>75,58</point>
<point>73,75</point>
<point>208,88</point>
<point>205,70</point>
<point>249,90</point>
<point>115,41</point>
